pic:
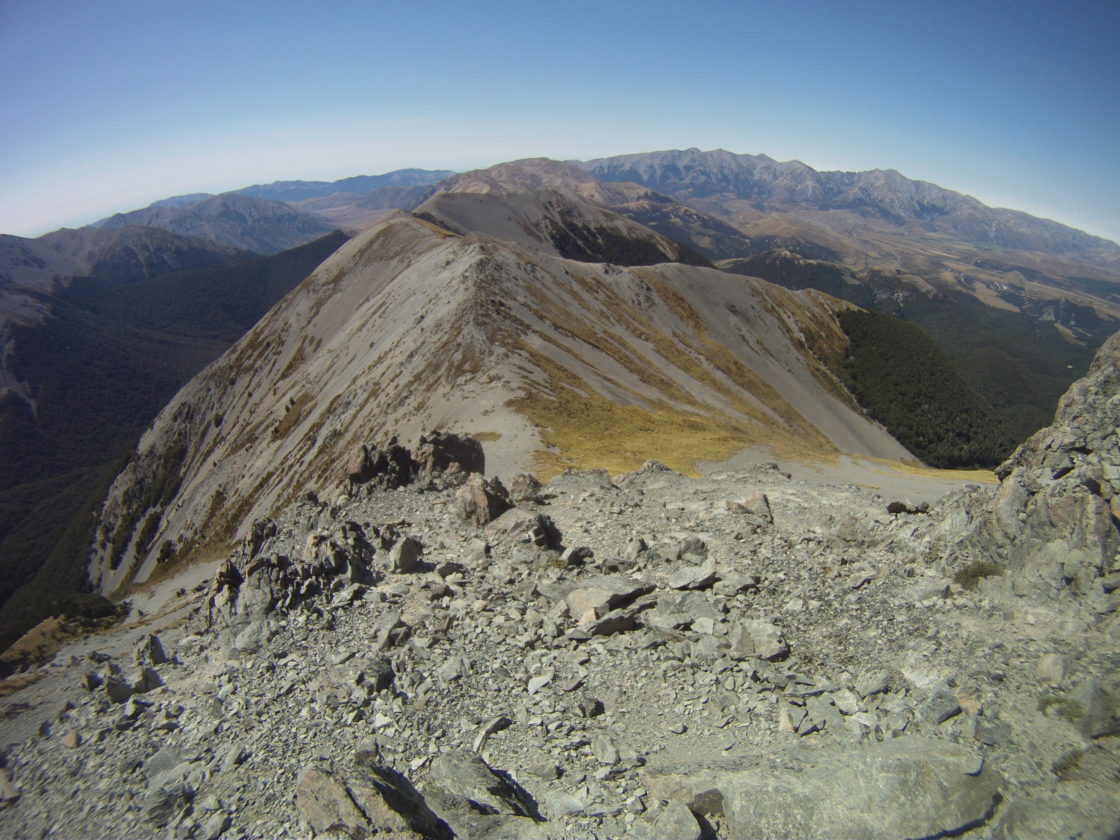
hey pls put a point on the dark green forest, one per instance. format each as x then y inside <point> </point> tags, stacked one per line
<point>102,365</point>
<point>1018,364</point>
<point>906,383</point>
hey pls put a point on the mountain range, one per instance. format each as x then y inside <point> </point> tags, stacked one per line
<point>673,305</point>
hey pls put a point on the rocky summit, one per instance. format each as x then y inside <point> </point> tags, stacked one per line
<point>432,654</point>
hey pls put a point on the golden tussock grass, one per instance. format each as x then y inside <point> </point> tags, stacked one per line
<point>18,682</point>
<point>486,436</point>
<point>584,430</point>
<point>886,467</point>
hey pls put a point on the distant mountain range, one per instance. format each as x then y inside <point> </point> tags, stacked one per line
<point>746,186</point>
<point>292,191</point>
<point>254,224</point>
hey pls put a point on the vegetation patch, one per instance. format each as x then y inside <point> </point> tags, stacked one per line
<point>1060,705</point>
<point>583,429</point>
<point>969,577</point>
<point>292,415</point>
<point>905,382</point>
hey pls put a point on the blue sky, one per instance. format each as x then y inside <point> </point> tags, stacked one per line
<point>109,105</point>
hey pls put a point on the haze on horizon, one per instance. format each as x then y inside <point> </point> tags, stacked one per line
<point>110,106</point>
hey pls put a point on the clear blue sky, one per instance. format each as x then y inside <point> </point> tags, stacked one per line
<point>111,104</point>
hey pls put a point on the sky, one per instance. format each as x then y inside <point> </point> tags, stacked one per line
<point>107,106</point>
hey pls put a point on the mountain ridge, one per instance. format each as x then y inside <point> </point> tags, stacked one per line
<point>782,186</point>
<point>255,224</point>
<point>523,344</point>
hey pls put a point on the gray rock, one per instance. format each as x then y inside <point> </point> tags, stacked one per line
<point>1050,669</point>
<point>840,793</point>
<point>233,757</point>
<point>549,771</point>
<point>559,804</point>
<point>760,639</point>
<point>990,731</point>
<point>404,556</point>
<point>149,651</point>
<point>118,689</point>
<point>465,774</point>
<point>1094,707</point>
<point>1072,809</point>
<point>872,683</point>
<point>147,679</point>
<point>941,706</point>
<point>599,594</point>
<point>447,453</point>
<point>524,488</point>
<point>694,577</point>
<point>1053,529</point>
<point>755,510</point>
<point>9,793</point>
<point>324,802</point>
<point>378,673</point>
<point>673,822</point>
<point>388,800</point>
<point>481,501</point>
<point>348,595</point>
<point>216,825</point>
<point>616,621</point>
<point>605,750</point>
<point>525,526</point>
<point>495,724</point>
<point>161,805</point>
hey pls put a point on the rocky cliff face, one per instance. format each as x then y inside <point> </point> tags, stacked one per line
<point>1054,524</point>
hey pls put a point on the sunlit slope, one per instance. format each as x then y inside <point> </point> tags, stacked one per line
<point>562,363</point>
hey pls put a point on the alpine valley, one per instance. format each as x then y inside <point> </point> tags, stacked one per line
<point>681,494</point>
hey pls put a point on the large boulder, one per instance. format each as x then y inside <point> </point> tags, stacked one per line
<point>385,468</point>
<point>481,501</point>
<point>257,581</point>
<point>906,787</point>
<point>368,798</point>
<point>443,452</point>
<point>477,801</point>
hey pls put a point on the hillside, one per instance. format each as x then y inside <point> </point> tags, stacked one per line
<point>764,184</point>
<point>1019,360</point>
<point>255,224</point>
<point>103,360</point>
<point>412,327</point>
<point>738,655</point>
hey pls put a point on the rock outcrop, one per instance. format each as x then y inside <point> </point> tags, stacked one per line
<point>1054,524</point>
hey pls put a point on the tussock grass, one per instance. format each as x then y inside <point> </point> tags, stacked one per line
<point>969,577</point>
<point>485,436</point>
<point>292,416</point>
<point>665,419</point>
<point>18,682</point>
<point>977,476</point>
<point>583,430</point>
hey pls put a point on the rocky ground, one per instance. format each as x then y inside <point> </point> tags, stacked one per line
<point>742,655</point>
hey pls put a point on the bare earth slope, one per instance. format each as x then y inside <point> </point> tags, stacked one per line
<point>410,327</point>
